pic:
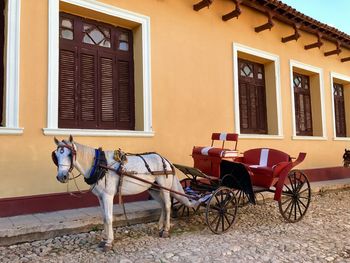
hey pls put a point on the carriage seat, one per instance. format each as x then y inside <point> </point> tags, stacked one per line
<point>215,152</point>
<point>208,158</point>
<point>264,165</point>
<point>218,152</point>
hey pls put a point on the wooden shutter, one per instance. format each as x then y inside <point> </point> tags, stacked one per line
<point>67,117</point>
<point>96,75</point>
<point>252,97</point>
<point>302,104</point>
<point>125,96</point>
<point>339,110</point>
<point>87,89</point>
<point>107,92</point>
<point>2,51</point>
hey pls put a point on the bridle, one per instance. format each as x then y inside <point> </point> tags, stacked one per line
<point>72,156</point>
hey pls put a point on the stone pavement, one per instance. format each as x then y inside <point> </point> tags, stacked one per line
<point>259,235</point>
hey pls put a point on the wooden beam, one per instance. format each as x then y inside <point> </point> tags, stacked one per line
<point>345,59</point>
<point>295,36</point>
<point>317,44</point>
<point>268,25</point>
<point>202,4</point>
<point>336,51</point>
<point>235,13</point>
<point>254,4</point>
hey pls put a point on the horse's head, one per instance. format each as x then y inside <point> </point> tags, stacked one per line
<point>64,158</point>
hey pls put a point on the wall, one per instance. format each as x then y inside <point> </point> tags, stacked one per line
<point>192,90</point>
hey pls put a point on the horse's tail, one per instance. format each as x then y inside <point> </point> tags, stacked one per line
<point>176,186</point>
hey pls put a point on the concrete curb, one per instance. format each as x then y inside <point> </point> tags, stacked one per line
<point>25,228</point>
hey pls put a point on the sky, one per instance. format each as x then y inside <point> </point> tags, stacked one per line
<point>331,12</point>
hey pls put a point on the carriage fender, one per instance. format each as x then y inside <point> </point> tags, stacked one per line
<point>284,173</point>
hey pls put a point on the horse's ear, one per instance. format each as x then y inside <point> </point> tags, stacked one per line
<point>70,138</point>
<point>56,141</point>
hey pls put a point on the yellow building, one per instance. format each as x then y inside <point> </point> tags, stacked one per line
<point>162,75</point>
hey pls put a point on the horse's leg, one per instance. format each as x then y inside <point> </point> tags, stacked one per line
<point>156,196</point>
<point>167,204</point>
<point>104,232</point>
<point>107,201</point>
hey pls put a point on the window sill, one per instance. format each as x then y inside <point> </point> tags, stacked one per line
<point>88,132</point>
<point>341,139</point>
<point>261,136</point>
<point>16,131</point>
<point>310,138</point>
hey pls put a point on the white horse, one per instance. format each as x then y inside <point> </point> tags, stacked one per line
<point>70,154</point>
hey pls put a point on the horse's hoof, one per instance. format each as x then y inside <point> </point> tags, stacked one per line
<point>165,234</point>
<point>102,244</point>
<point>107,247</point>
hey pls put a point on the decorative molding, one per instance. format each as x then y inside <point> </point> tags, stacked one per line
<point>261,137</point>
<point>336,51</point>
<point>202,4</point>
<point>317,44</point>
<point>268,25</point>
<point>235,13</point>
<point>310,138</point>
<point>53,66</point>
<point>88,132</point>
<point>295,36</point>
<point>5,130</point>
<point>273,58</point>
<point>319,71</point>
<point>12,67</point>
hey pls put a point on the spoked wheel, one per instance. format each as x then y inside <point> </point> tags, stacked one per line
<point>221,210</point>
<point>178,209</point>
<point>296,196</point>
<point>242,198</point>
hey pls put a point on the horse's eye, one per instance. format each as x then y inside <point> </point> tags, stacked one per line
<point>62,150</point>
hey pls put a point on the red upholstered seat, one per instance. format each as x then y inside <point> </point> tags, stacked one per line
<point>208,159</point>
<point>264,165</point>
<point>217,152</point>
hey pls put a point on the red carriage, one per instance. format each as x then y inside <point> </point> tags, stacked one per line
<point>228,180</point>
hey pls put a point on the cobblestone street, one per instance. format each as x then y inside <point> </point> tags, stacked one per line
<point>259,235</point>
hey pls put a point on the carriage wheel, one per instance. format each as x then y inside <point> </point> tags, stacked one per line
<point>221,210</point>
<point>242,198</point>
<point>296,196</point>
<point>179,210</point>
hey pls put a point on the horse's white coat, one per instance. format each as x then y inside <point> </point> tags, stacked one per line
<point>106,188</point>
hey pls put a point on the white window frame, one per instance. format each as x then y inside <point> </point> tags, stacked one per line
<point>334,75</point>
<point>319,71</point>
<point>53,69</point>
<point>262,54</point>
<point>11,88</point>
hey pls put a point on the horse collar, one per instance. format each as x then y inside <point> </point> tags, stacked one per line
<point>98,171</point>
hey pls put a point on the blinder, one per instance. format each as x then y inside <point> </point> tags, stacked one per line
<point>54,158</point>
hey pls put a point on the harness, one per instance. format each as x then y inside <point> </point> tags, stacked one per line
<point>122,158</point>
<point>98,171</point>
<point>72,155</point>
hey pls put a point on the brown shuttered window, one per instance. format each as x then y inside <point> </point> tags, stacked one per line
<point>2,50</point>
<point>252,97</point>
<point>302,102</point>
<point>339,110</point>
<point>96,86</point>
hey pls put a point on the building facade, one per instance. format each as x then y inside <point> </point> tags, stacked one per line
<point>162,75</point>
